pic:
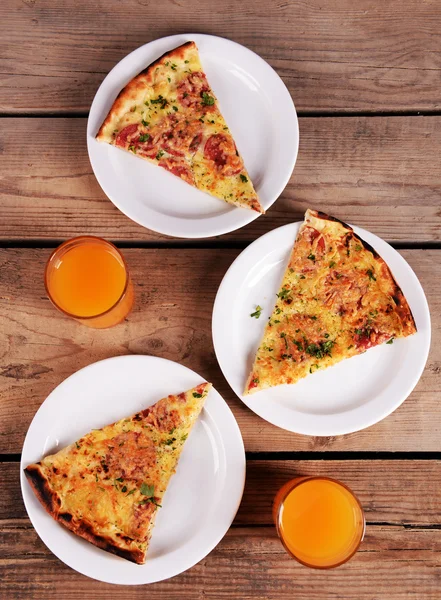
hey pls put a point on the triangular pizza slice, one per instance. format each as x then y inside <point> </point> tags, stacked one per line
<point>169,115</point>
<point>108,485</point>
<point>338,298</point>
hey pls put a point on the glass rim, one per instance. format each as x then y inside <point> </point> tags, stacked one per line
<point>296,483</point>
<point>79,240</point>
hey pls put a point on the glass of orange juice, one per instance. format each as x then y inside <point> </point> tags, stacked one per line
<point>319,521</point>
<point>87,279</point>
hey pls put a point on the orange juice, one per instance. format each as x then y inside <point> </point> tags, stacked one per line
<point>319,521</point>
<point>87,279</point>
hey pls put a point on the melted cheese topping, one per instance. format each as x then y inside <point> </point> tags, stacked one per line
<point>171,118</point>
<point>336,300</point>
<point>114,478</point>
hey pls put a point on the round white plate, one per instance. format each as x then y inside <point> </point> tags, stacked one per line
<point>203,496</point>
<point>350,396</point>
<point>263,121</point>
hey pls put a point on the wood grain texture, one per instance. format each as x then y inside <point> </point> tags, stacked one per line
<point>378,484</point>
<point>334,55</point>
<point>249,563</point>
<point>399,557</point>
<point>175,290</point>
<point>374,172</point>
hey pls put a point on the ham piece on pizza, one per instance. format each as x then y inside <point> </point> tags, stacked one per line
<point>338,298</point>
<point>108,485</point>
<point>169,115</point>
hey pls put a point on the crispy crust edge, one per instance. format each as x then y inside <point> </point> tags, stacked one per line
<point>51,502</point>
<point>402,307</point>
<point>144,76</point>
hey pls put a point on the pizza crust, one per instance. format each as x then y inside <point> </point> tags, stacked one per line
<point>316,219</point>
<point>134,91</point>
<point>51,501</point>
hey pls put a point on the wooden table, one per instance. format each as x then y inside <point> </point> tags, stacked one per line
<point>365,77</point>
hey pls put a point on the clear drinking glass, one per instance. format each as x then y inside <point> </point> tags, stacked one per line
<point>87,278</point>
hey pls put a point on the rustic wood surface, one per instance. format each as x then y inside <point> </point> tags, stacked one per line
<point>249,563</point>
<point>365,78</point>
<point>377,483</point>
<point>175,291</point>
<point>334,55</point>
<point>359,169</point>
<point>398,556</point>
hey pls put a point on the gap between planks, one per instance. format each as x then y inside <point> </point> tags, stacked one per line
<point>191,244</point>
<point>309,455</point>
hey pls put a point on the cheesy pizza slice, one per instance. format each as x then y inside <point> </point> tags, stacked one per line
<point>108,485</point>
<point>338,298</point>
<point>169,115</point>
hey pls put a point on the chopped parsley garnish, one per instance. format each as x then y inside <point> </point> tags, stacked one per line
<point>283,294</point>
<point>313,317</point>
<point>298,344</point>
<point>146,102</point>
<point>278,310</point>
<point>149,500</point>
<point>207,100</point>
<point>173,67</point>
<point>243,178</point>
<point>170,441</point>
<point>124,489</point>
<point>332,264</point>
<point>77,445</point>
<point>144,137</point>
<point>186,62</point>
<point>351,346</point>
<point>185,94</point>
<point>371,275</point>
<point>132,149</point>
<point>311,257</point>
<point>133,109</point>
<point>184,437</point>
<point>119,479</point>
<point>283,335</point>
<point>147,490</point>
<point>256,314</point>
<point>163,102</point>
<point>256,380</point>
<point>131,492</point>
<point>302,277</point>
<point>391,341</point>
<point>145,123</point>
<point>175,108</point>
<point>159,155</point>
<point>321,349</point>
<point>358,247</point>
<point>169,80</point>
<point>284,356</point>
<point>196,395</point>
<point>359,331</point>
<point>326,335</point>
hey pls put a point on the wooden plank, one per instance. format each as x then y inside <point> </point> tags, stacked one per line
<point>249,563</point>
<point>334,55</point>
<point>373,172</point>
<point>172,319</point>
<point>378,484</point>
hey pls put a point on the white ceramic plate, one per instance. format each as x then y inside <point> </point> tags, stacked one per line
<point>350,396</point>
<point>259,111</point>
<point>211,470</point>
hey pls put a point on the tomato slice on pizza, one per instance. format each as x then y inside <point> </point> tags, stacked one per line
<point>108,485</point>
<point>169,115</point>
<point>338,298</point>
